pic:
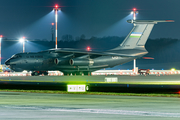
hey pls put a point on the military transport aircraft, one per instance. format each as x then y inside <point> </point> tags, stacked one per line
<point>84,62</point>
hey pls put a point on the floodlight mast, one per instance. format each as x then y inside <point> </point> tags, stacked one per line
<point>52,31</point>
<point>23,41</point>
<point>23,45</point>
<point>0,47</point>
<point>134,18</point>
<point>134,13</point>
<point>56,9</point>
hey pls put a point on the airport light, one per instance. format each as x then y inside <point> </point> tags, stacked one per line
<point>52,31</point>
<point>88,48</point>
<point>56,9</point>
<point>134,12</point>
<point>22,40</point>
<point>0,47</point>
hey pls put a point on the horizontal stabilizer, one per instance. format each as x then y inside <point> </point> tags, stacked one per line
<point>148,21</point>
<point>139,34</point>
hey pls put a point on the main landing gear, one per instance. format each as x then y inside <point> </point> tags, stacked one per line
<point>37,73</point>
<point>77,73</point>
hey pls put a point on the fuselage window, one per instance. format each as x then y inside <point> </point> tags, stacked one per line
<point>38,56</point>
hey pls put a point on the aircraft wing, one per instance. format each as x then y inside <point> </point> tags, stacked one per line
<point>105,53</point>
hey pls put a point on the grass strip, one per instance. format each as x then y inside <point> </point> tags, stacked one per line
<point>92,93</point>
<point>84,82</point>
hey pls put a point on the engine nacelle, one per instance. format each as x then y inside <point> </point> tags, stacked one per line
<point>61,61</point>
<point>81,62</point>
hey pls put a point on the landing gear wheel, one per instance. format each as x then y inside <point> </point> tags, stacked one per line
<point>66,74</point>
<point>45,73</point>
<point>34,74</point>
<point>87,73</point>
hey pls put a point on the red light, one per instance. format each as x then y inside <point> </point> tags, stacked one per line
<point>178,92</point>
<point>52,23</point>
<point>148,58</point>
<point>88,48</point>
<point>169,20</point>
<point>56,6</point>
<point>1,36</point>
<point>23,37</point>
<point>134,9</point>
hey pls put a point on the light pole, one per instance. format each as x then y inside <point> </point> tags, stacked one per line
<point>0,47</point>
<point>22,40</point>
<point>56,9</point>
<point>52,31</point>
<point>134,12</point>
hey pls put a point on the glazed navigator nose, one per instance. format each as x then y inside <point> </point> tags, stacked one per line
<point>7,62</point>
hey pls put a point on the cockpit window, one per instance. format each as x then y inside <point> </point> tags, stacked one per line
<point>16,56</point>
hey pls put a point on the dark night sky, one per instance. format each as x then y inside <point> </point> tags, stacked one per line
<point>33,18</point>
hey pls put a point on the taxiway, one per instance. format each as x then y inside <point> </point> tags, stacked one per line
<point>15,105</point>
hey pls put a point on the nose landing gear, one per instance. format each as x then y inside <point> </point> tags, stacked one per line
<point>37,73</point>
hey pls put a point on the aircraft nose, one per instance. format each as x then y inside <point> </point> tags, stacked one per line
<point>7,62</point>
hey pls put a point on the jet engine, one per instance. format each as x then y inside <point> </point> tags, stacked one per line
<point>81,62</point>
<point>61,61</point>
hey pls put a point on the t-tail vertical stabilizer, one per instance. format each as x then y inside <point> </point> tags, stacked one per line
<point>139,34</point>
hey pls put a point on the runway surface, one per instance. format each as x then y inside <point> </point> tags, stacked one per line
<point>14,105</point>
